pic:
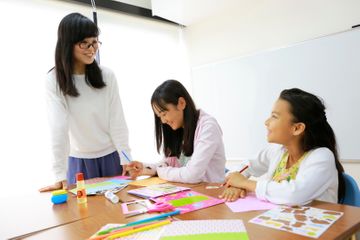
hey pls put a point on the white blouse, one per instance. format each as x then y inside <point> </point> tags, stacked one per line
<point>317,177</point>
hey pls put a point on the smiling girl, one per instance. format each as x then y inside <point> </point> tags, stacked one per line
<point>304,166</point>
<point>190,139</point>
<point>86,118</point>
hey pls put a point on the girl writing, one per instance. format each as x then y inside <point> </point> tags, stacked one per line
<point>304,166</point>
<point>190,139</point>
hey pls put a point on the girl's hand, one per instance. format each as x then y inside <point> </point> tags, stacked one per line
<point>236,180</point>
<point>124,167</point>
<point>232,194</point>
<point>55,186</point>
<point>135,169</point>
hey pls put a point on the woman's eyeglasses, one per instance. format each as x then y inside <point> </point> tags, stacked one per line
<point>86,45</point>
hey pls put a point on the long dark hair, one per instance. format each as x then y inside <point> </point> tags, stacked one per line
<point>174,141</point>
<point>73,28</point>
<point>310,110</point>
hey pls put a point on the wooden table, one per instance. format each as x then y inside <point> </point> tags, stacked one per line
<point>343,228</point>
<point>70,221</point>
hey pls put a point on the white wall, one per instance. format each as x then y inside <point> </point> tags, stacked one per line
<point>251,26</point>
<point>142,52</point>
<point>254,26</point>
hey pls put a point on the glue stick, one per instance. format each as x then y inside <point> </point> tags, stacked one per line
<point>80,188</point>
<point>111,196</point>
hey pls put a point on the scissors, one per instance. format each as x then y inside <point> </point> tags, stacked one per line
<point>161,207</point>
<point>156,207</point>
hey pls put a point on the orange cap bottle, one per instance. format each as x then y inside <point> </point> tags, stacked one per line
<point>80,189</point>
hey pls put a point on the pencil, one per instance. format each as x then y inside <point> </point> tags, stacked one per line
<point>246,167</point>
<point>141,229</point>
<point>126,156</point>
<point>243,169</point>
<point>100,237</point>
<point>164,215</point>
<point>146,220</point>
<point>117,230</point>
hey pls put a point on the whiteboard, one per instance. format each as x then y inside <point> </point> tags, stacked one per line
<point>240,92</point>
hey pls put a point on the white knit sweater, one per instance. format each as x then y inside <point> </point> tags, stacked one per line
<point>91,125</point>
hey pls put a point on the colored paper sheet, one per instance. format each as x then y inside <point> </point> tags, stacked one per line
<point>188,201</point>
<point>103,179</point>
<point>121,177</point>
<point>249,203</point>
<point>148,182</point>
<point>99,187</point>
<point>205,230</point>
<point>157,190</point>
<point>306,221</point>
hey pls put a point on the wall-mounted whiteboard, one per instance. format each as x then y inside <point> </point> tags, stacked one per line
<point>240,92</point>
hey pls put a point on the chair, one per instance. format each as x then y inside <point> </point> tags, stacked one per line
<point>352,192</point>
<point>352,196</point>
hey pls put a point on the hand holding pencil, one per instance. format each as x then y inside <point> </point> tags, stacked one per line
<point>135,169</point>
<point>228,178</point>
<point>234,188</point>
<point>235,179</point>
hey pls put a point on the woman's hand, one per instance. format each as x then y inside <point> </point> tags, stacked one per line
<point>135,169</point>
<point>55,186</point>
<point>232,194</point>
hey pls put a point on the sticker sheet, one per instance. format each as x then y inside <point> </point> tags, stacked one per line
<point>306,221</point>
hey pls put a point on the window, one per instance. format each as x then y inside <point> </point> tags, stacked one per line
<point>142,53</point>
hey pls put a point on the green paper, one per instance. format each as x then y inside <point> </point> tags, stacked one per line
<point>210,236</point>
<point>188,200</point>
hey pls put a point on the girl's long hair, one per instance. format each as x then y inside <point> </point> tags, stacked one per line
<point>310,110</point>
<point>174,141</point>
<point>74,28</point>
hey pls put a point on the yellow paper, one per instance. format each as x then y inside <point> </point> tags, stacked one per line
<point>148,182</point>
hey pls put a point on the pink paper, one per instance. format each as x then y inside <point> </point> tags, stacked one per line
<point>249,203</point>
<point>121,177</point>
<point>188,201</point>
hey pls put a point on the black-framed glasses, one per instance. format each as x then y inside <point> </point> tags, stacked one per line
<point>86,45</point>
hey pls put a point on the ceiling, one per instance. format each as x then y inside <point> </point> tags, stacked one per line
<point>188,12</point>
<point>138,3</point>
<point>185,12</point>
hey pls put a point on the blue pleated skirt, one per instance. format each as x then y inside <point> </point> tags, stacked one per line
<point>106,166</point>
